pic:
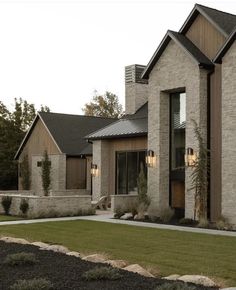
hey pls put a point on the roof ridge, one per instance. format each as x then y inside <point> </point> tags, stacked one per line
<point>215,9</point>
<point>75,115</point>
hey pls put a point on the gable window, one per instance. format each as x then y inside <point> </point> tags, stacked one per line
<point>128,166</point>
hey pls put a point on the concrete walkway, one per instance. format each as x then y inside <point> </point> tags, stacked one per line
<point>103,216</point>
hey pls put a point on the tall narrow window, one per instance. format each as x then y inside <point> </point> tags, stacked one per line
<point>177,149</point>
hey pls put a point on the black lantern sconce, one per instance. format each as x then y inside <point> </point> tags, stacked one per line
<point>94,170</point>
<point>190,157</point>
<point>150,158</point>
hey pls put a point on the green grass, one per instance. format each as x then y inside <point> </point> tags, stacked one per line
<point>5,218</point>
<point>169,251</point>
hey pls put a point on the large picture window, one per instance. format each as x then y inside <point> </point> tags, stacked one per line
<point>128,166</point>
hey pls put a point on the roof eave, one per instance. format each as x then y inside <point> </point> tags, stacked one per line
<point>119,136</point>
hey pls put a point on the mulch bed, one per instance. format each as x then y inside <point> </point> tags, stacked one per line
<point>65,272</point>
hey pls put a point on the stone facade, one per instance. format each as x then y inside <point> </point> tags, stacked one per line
<point>174,71</point>
<point>101,151</point>
<point>49,206</point>
<point>229,135</point>
<point>121,200</point>
<point>58,173</point>
<point>136,95</point>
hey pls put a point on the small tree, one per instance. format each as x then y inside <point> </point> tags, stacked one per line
<point>142,188</point>
<point>24,206</point>
<point>25,173</point>
<point>199,176</point>
<point>46,173</point>
<point>6,204</point>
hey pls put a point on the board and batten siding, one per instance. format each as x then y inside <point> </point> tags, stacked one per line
<point>76,173</point>
<point>38,141</point>
<point>205,36</point>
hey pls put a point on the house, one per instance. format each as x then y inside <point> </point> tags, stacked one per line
<point>191,76</point>
<point>62,136</point>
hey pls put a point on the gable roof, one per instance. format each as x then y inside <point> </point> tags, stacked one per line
<point>222,21</point>
<point>68,131</point>
<point>225,47</point>
<point>128,126</point>
<point>193,51</point>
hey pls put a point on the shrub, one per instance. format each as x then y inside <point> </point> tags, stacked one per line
<point>25,173</point>
<point>175,286</point>
<point>119,211</point>
<point>132,207</point>
<point>223,224</point>
<point>142,188</point>
<point>20,259</point>
<point>24,206</point>
<point>166,214</point>
<point>34,284</point>
<point>203,223</point>
<point>187,221</point>
<point>102,273</point>
<point>6,203</point>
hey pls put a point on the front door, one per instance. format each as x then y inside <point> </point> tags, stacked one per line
<point>177,151</point>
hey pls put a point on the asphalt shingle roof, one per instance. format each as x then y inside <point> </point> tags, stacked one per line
<point>127,126</point>
<point>69,130</point>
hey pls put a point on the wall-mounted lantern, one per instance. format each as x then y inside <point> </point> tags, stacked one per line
<point>150,158</point>
<point>94,170</point>
<point>190,157</point>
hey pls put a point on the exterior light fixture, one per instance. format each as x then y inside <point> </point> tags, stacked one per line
<point>150,158</point>
<point>94,170</point>
<point>190,157</point>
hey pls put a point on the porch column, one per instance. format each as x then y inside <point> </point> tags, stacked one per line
<point>101,152</point>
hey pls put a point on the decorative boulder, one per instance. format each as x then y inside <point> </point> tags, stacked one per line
<point>96,258</point>
<point>172,277</point>
<point>126,216</point>
<point>117,263</point>
<point>198,279</point>
<point>135,268</point>
<point>74,254</point>
<point>15,240</point>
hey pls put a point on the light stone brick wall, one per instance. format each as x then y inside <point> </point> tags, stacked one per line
<point>58,173</point>
<point>136,95</point>
<point>101,150</point>
<point>174,71</point>
<point>229,135</point>
<point>69,192</point>
<point>121,200</point>
<point>49,206</point>
<point>17,192</point>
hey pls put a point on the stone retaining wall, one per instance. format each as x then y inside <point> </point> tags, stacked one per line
<point>120,200</point>
<point>17,192</point>
<point>69,192</point>
<point>50,206</point>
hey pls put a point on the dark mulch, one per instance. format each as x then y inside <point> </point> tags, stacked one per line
<point>65,272</point>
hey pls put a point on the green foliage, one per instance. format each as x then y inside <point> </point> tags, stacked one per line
<point>46,173</point>
<point>25,173</point>
<point>13,126</point>
<point>34,284</point>
<point>199,175</point>
<point>203,223</point>
<point>119,211</point>
<point>106,105</point>
<point>6,203</point>
<point>166,214</point>
<point>175,286</point>
<point>20,259</point>
<point>186,221</point>
<point>142,188</point>
<point>222,223</point>
<point>24,206</point>
<point>102,273</point>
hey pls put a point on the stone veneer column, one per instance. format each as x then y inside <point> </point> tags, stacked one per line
<point>174,71</point>
<point>101,158</point>
<point>229,135</point>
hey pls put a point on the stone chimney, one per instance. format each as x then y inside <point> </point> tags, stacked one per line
<point>136,89</point>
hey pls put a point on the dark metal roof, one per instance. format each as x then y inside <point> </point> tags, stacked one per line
<point>224,22</point>
<point>68,131</point>
<point>183,42</point>
<point>127,126</point>
<point>225,47</point>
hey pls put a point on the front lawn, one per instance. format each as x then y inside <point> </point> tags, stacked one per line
<point>4,218</point>
<point>170,252</point>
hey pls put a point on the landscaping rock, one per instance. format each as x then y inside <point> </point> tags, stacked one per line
<point>230,288</point>
<point>198,279</point>
<point>40,244</point>
<point>126,216</point>
<point>14,240</point>
<point>96,258</point>
<point>172,277</point>
<point>56,248</point>
<point>138,269</point>
<point>74,254</point>
<point>117,263</point>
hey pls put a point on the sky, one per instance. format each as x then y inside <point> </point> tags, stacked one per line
<point>58,52</point>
